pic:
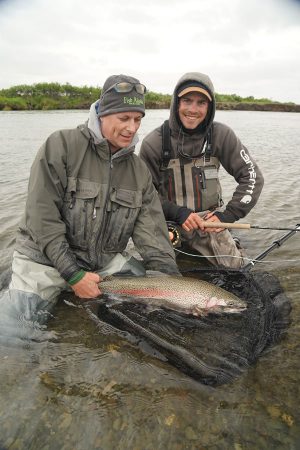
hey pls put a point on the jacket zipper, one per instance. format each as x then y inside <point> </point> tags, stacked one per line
<point>94,259</point>
<point>105,214</point>
<point>85,219</point>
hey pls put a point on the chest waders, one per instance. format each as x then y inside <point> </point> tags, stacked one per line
<point>188,181</point>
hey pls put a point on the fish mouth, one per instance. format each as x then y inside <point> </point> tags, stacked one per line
<point>220,310</point>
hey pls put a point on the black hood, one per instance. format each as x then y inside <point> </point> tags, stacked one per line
<point>202,81</point>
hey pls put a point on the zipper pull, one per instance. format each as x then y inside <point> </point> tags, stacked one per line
<point>72,202</point>
<point>94,213</point>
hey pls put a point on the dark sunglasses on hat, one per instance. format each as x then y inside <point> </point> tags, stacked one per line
<point>126,87</point>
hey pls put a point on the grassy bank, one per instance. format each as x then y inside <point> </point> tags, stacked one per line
<point>51,96</point>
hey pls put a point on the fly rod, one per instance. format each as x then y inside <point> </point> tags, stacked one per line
<point>246,226</point>
<point>272,247</point>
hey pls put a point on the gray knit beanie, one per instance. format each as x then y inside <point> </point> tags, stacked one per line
<point>112,102</point>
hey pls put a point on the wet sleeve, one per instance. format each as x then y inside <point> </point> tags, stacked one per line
<point>151,236</point>
<point>47,182</point>
<point>175,213</point>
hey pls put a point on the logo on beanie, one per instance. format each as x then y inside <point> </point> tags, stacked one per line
<point>134,101</point>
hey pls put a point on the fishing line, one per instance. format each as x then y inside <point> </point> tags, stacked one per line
<point>239,257</point>
<point>252,261</point>
<point>201,256</point>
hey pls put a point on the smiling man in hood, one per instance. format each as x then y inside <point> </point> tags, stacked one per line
<point>88,195</point>
<point>184,156</point>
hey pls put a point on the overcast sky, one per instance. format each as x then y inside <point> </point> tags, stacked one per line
<point>247,47</point>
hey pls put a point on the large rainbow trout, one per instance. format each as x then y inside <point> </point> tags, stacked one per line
<point>184,294</point>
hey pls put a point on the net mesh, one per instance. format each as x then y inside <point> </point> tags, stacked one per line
<point>214,348</point>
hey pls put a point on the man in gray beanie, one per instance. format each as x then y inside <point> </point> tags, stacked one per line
<point>88,195</point>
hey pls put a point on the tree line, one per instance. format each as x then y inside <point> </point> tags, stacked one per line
<point>49,96</point>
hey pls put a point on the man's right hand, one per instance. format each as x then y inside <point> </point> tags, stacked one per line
<point>87,287</point>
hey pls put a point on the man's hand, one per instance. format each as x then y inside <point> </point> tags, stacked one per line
<point>87,287</point>
<point>193,222</point>
<point>212,218</point>
<point>171,236</point>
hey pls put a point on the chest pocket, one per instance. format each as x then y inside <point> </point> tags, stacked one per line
<point>78,209</point>
<point>192,184</point>
<point>122,211</point>
<point>204,192</point>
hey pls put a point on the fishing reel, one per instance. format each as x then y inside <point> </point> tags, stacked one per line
<point>174,234</point>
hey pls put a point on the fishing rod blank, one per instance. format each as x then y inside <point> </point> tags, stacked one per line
<point>246,226</point>
<point>275,244</point>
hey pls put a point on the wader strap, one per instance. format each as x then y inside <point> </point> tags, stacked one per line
<point>208,149</point>
<point>166,145</point>
<point>167,149</point>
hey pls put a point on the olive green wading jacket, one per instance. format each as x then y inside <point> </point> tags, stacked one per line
<point>84,204</point>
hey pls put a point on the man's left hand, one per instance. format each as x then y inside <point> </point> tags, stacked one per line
<point>212,218</point>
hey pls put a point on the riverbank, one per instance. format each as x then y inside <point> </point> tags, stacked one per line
<point>274,107</point>
<point>54,96</point>
<point>222,106</point>
<point>239,106</point>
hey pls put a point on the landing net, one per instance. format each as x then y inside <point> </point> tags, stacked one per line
<point>214,348</point>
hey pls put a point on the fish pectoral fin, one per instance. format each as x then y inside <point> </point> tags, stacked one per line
<point>198,312</point>
<point>213,302</point>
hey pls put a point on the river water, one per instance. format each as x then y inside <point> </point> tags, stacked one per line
<point>85,390</point>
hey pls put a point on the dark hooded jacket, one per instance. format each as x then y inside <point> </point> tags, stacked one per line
<point>189,181</point>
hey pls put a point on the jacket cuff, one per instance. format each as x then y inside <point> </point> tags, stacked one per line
<point>63,259</point>
<point>175,213</point>
<point>225,216</point>
<point>76,277</point>
<point>182,214</point>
